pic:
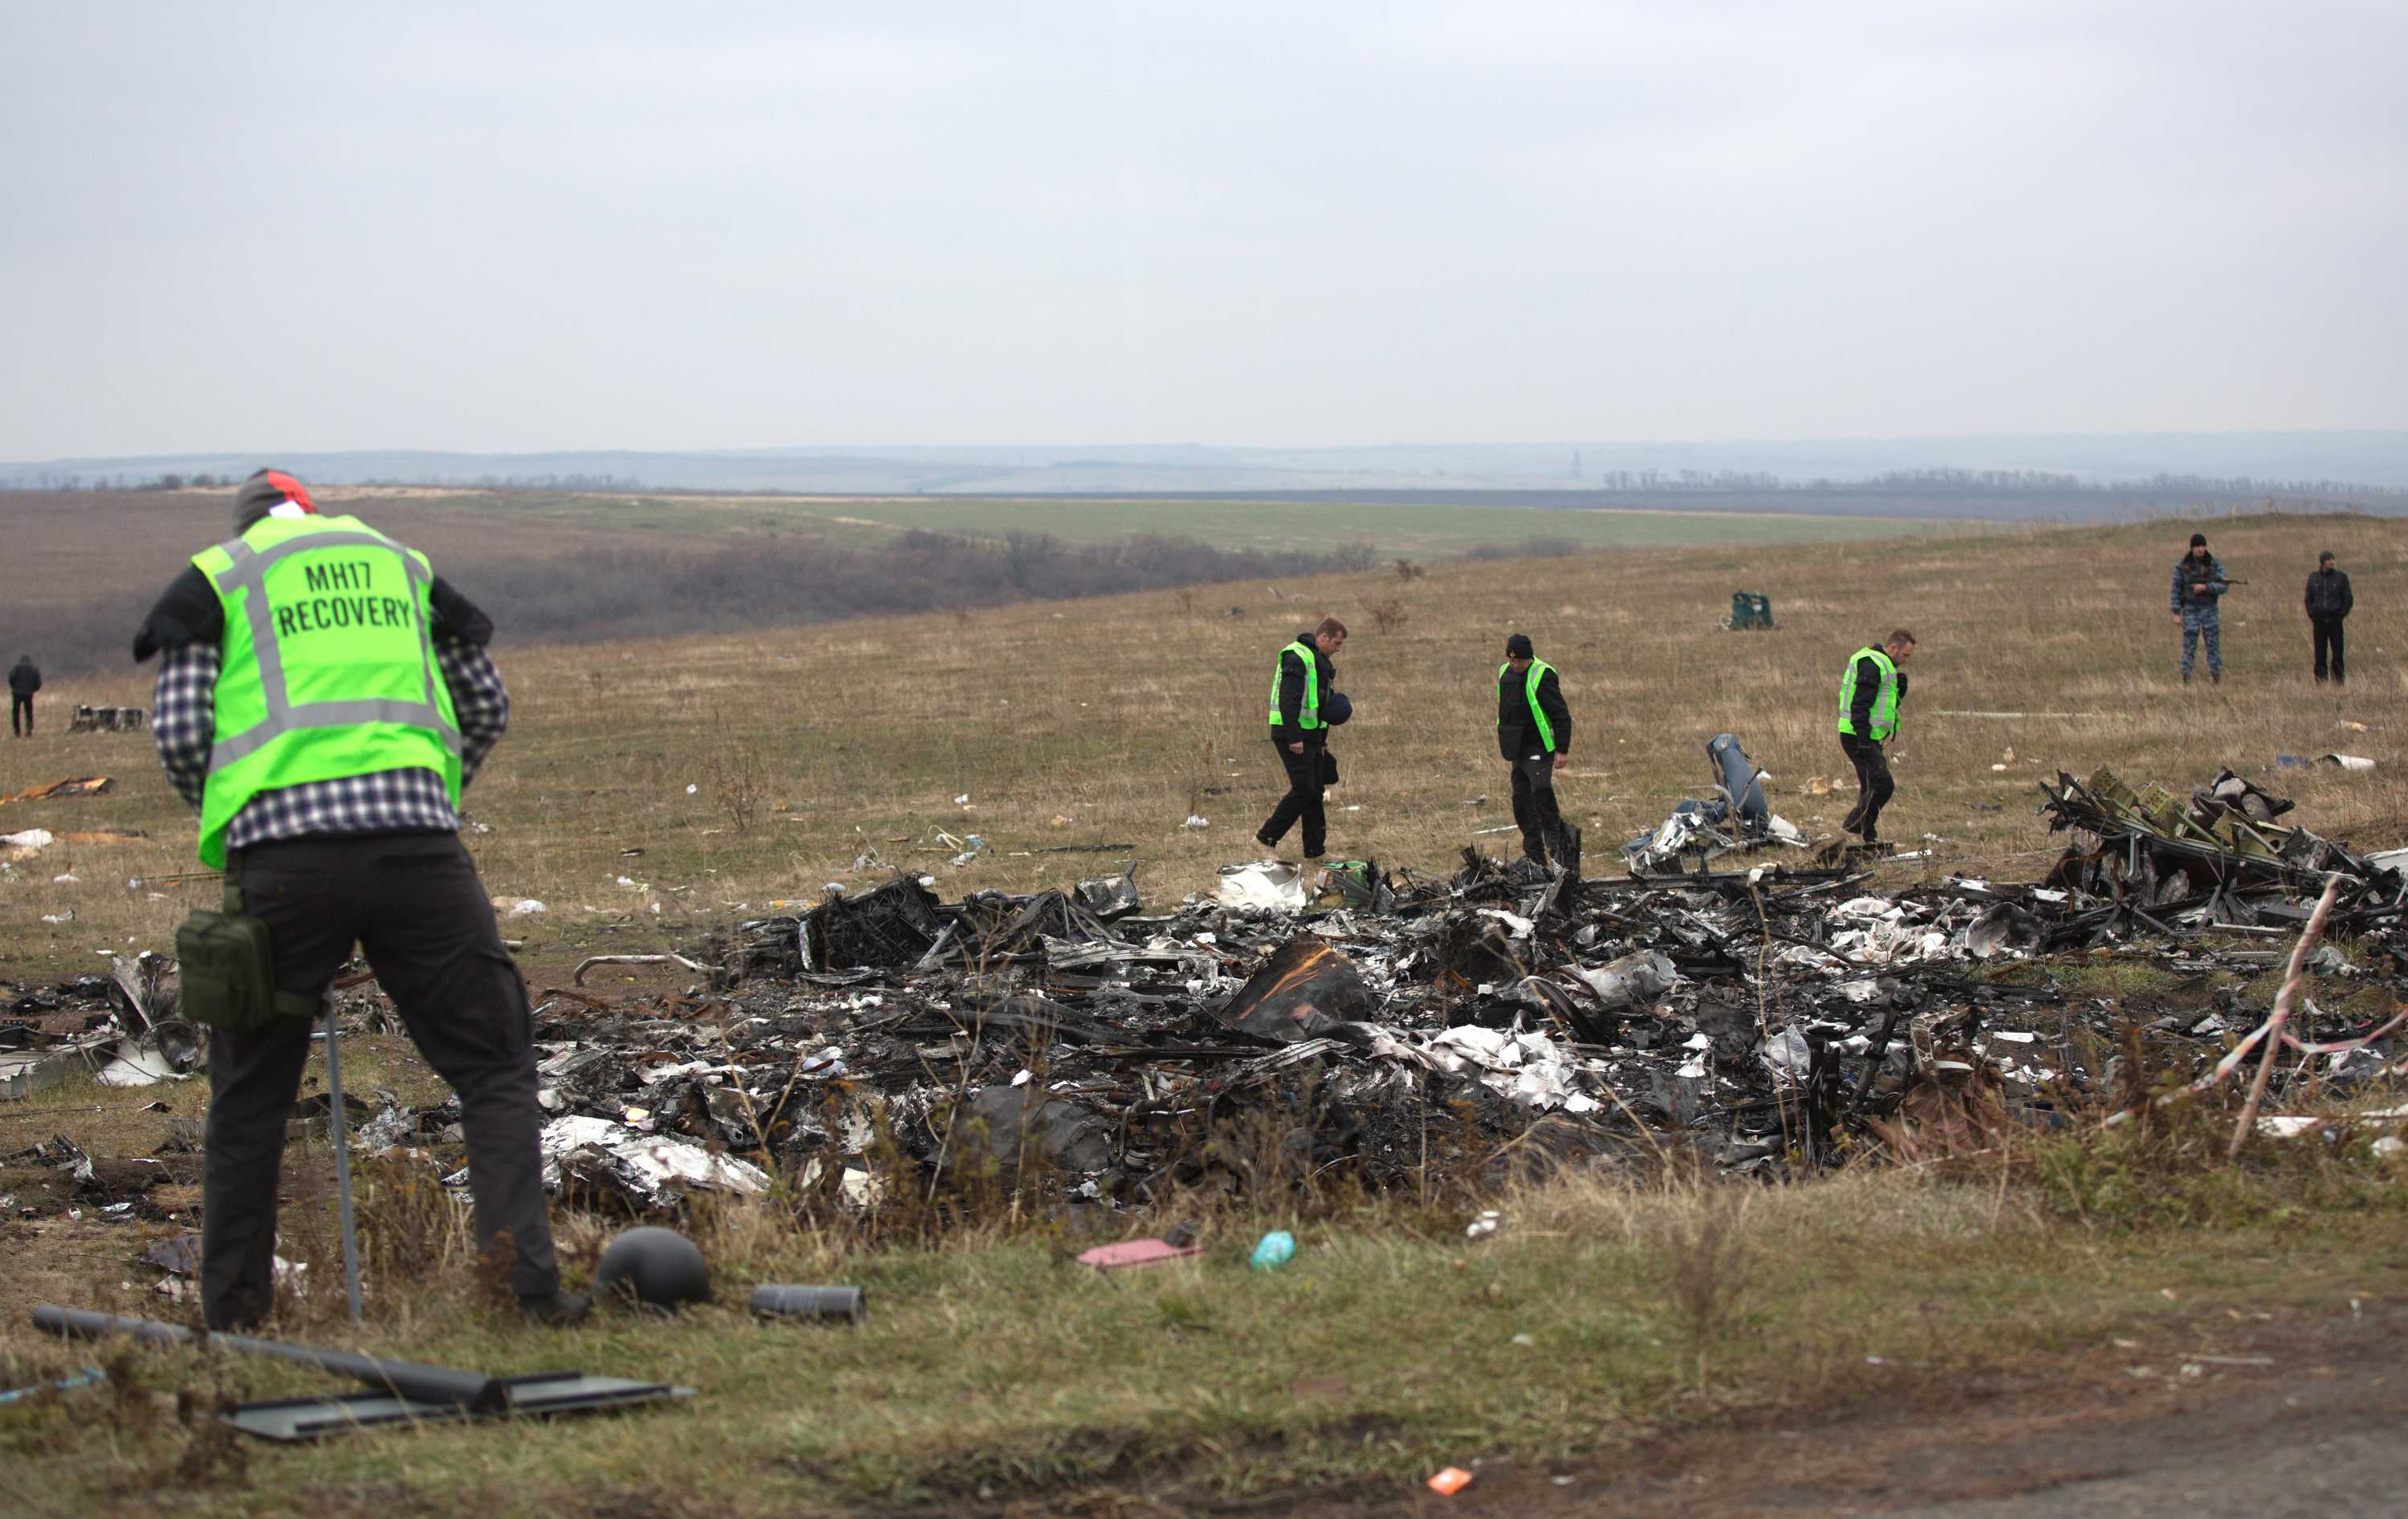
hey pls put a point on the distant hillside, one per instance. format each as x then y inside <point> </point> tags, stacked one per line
<point>2007,469</point>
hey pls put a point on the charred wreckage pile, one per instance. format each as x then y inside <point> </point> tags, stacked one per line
<point>1372,1023</point>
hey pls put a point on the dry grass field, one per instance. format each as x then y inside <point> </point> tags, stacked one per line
<point>994,1378</point>
<point>756,769</point>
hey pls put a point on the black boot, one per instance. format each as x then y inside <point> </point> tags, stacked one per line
<point>557,1312</point>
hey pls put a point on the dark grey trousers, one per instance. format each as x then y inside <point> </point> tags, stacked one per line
<point>1534,811</point>
<point>1303,803</point>
<point>1875,786</point>
<point>2330,640</point>
<point>413,903</point>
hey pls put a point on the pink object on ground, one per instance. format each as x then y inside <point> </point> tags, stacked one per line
<point>1130,1253</point>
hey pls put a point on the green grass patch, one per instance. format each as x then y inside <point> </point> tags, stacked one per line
<point>1005,1372</point>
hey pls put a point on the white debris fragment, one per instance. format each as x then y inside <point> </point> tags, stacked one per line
<point>140,1064</point>
<point>649,1169</point>
<point>1264,884</point>
<point>1634,980</point>
<point>1530,1068</point>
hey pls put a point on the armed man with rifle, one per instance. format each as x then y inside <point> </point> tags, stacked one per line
<point>2199,582</point>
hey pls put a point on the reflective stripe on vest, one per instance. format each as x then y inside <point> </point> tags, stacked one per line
<point>285,714</point>
<point>1884,713</point>
<point>1308,717</point>
<point>1539,670</point>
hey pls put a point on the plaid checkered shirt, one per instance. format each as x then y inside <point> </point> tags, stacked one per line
<point>183,722</point>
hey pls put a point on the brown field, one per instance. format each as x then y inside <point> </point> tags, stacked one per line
<point>807,748</point>
<point>993,1377</point>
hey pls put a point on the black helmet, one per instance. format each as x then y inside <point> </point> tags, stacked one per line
<point>654,1266</point>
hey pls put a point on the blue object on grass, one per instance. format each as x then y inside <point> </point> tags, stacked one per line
<point>1276,1248</point>
<point>84,1378</point>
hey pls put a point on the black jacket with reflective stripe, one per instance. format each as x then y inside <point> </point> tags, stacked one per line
<point>1291,699</point>
<point>1516,735</point>
<point>1861,710</point>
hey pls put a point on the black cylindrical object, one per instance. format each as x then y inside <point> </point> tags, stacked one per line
<point>781,1302</point>
<point>403,1378</point>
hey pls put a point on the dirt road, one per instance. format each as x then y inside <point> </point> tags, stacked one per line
<point>2284,1419</point>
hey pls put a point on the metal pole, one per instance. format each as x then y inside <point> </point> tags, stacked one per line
<point>403,1378</point>
<point>342,1165</point>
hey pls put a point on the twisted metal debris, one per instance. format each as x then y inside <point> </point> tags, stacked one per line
<point>1763,1019</point>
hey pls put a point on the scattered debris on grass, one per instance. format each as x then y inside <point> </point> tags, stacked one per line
<point>883,1045</point>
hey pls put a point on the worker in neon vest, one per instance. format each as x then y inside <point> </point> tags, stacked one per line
<point>1534,733</point>
<point>322,698</point>
<point>1871,694</point>
<point>1304,705</point>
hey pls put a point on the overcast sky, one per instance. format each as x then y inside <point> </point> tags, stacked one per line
<point>509,226</point>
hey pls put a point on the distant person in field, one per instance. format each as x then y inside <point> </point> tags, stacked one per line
<point>2328,604</point>
<point>322,698</point>
<point>2199,584</point>
<point>1871,694</point>
<point>23,681</point>
<point>1534,733</point>
<point>1304,705</point>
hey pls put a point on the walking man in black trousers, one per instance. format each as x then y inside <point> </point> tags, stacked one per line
<point>1871,694</point>
<point>1302,686</point>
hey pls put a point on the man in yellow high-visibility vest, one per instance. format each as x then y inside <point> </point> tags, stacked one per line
<point>1534,733</point>
<point>322,698</point>
<point>1871,694</point>
<point>1303,707</point>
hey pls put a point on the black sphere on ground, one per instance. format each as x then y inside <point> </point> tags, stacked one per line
<point>1337,709</point>
<point>653,1267</point>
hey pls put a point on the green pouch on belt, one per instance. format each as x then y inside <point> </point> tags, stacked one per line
<point>226,970</point>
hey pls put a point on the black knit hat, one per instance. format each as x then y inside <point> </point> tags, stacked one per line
<point>2199,540</point>
<point>266,490</point>
<point>1518,647</point>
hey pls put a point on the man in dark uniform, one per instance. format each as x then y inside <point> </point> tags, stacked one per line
<point>2328,604</point>
<point>2198,588</point>
<point>1871,694</point>
<point>1534,733</point>
<point>24,678</point>
<point>1301,685</point>
<point>321,698</point>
